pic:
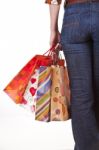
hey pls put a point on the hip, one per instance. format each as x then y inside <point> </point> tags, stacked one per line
<point>80,22</point>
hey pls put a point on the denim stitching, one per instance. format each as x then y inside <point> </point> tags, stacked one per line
<point>70,24</point>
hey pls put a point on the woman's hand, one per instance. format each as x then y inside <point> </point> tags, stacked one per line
<point>55,39</point>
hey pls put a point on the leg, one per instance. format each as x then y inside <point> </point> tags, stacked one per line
<point>77,49</point>
<point>83,120</point>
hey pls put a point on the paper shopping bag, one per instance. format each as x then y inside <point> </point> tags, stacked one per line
<point>60,94</point>
<point>43,94</point>
<point>29,95</point>
<point>17,85</point>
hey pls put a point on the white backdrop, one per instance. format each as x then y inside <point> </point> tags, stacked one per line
<point>24,32</point>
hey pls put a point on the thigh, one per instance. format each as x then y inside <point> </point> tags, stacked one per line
<point>79,65</point>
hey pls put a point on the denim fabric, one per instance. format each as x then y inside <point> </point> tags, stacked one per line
<point>80,43</point>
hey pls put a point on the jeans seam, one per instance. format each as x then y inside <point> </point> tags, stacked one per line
<point>71,24</point>
<point>90,18</point>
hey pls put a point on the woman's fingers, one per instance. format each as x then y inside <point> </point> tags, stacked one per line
<point>58,46</point>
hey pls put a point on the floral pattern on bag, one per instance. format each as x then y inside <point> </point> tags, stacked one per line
<point>59,101</point>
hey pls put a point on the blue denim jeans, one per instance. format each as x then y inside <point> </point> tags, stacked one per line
<point>80,43</point>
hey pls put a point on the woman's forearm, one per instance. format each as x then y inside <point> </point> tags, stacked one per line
<point>54,13</point>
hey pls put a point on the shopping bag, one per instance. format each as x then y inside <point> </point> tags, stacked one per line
<point>60,94</point>
<point>67,89</point>
<point>29,95</point>
<point>16,87</point>
<point>43,94</point>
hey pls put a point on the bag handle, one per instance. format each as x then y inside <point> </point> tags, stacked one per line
<point>54,55</point>
<point>51,49</point>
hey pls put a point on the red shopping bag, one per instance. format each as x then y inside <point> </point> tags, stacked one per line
<point>16,87</point>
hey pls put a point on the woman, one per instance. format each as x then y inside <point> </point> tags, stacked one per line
<point>79,39</point>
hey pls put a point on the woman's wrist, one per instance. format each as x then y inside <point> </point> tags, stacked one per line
<point>54,25</point>
<point>54,29</point>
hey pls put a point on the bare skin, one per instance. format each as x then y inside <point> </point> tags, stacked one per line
<point>54,32</point>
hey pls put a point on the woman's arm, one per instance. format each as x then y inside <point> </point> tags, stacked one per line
<point>54,32</point>
<point>54,13</point>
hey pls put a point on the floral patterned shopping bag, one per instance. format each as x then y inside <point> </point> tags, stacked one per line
<point>60,94</point>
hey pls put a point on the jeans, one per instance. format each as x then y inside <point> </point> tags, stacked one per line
<point>80,44</point>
